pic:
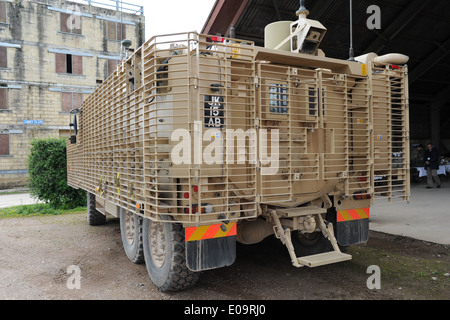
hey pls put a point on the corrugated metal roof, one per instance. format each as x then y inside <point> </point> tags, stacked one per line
<point>417,28</point>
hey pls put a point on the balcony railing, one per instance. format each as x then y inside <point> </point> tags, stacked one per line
<point>114,5</point>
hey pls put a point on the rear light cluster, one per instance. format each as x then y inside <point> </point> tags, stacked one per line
<point>361,195</point>
<point>195,208</point>
<point>215,39</point>
<point>186,195</point>
<point>206,207</point>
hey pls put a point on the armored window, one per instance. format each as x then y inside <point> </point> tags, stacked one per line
<point>278,98</point>
<point>312,101</point>
<point>69,63</point>
<point>3,12</point>
<point>70,101</point>
<point>4,144</point>
<point>3,57</point>
<point>3,97</point>
<point>116,31</point>
<point>70,23</point>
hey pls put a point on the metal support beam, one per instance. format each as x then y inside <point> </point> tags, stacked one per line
<point>277,9</point>
<point>320,7</point>
<point>224,15</point>
<point>430,61</point>
<point>400,22</point>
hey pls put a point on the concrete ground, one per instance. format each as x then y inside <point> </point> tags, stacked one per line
<point>16,199</point>
<point>426,217</point>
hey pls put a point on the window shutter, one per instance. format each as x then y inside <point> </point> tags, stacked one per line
<point>121,31</point>
<point>3,98</point>
<point>3,11</point>
<point>77,100</point>
<point>4,144</point>
<point>65,18</point>
<point>75,29</point>
<point>3,57</point>
<point>66,102</point>
<point>111,66</point>
<point>112,32</point>
<point>61,66</point>
<point>77,64</point>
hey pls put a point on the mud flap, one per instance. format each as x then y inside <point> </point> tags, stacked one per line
<point>210,253</point>
<point>352,232</point>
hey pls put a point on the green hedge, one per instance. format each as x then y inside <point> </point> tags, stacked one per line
<point>47,169</point>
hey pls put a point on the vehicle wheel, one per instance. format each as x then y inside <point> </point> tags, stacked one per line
<point>310,243</point>
<point>164,252</point>
<point>131,232</point>
<point>94,217</point>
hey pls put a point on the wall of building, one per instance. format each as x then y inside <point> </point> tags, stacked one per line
<point>54,60</point>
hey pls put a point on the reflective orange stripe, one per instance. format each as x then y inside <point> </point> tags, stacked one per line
<point>353,214</point>
<point>211,232</point>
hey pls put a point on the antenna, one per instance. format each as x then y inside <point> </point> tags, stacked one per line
<point>121,29</point>
<point>351,51</point>
<point>302,10</point>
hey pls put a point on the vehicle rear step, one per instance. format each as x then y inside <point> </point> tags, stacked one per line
<point>322,259</point>
<point>284,234</point>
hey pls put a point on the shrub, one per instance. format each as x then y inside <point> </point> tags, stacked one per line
<point>47,168</point>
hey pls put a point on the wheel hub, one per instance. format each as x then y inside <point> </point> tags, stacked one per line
<point>129,227</point>
<point>157,243</point>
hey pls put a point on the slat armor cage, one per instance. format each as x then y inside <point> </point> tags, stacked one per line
<point>206,129</point>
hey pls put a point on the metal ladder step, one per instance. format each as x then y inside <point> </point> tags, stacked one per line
<point>321,259</point>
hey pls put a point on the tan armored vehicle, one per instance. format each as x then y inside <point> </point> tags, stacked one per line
<point>199,141</point>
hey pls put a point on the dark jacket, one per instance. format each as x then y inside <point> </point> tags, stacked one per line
<point>433,157</point>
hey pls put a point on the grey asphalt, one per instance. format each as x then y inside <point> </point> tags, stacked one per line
<point>426,217</point>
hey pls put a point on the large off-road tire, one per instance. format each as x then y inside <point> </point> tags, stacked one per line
<point>164,252</point>
<point>94,217</point>
<point>309,244</point>
<point>131,232</point>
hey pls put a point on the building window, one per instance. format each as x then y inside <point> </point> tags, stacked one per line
<point>70,23</point>
<point>70,101</point>
<point>3,98</point>
<point>69,64</point>
<point>4,144</point>
<point>3,14</point>
<point>112,65</point>
<point>3,57</point>
<point>116,31</point>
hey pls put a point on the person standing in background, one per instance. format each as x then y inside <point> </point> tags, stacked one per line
<point>431,157</point>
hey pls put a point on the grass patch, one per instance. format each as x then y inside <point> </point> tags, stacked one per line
<point>39,209</point>
<point>424,276</point>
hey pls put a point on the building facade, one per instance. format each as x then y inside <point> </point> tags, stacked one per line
<point>53,54</point>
